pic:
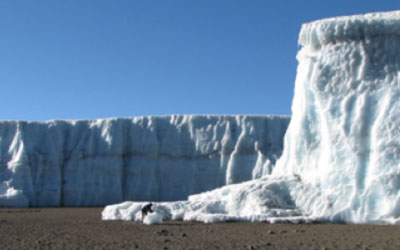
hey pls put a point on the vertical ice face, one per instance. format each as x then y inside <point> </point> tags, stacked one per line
<point>341,158</point>
<point>100,162</point>
<point>344,138</point>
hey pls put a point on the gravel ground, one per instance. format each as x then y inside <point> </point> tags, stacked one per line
<point>82,228</point>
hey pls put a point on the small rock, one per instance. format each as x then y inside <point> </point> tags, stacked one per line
<point>183,235</point>
<point>271,232</point>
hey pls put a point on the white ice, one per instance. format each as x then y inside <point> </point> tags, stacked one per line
<point>266,199</point>
<point>106,161</point>
<point>341,158</point>
<point>153,218</point>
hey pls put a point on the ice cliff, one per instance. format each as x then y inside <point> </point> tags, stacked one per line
<point>101,162</point>
<point>341,158</point>
<point>344,140</point>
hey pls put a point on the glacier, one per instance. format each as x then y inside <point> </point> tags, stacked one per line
<point>341,156</point>
<point>106,161</point>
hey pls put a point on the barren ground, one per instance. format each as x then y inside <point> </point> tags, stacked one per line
<point>82,228</point>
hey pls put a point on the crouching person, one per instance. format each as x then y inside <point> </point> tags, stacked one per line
<point>146,209</point>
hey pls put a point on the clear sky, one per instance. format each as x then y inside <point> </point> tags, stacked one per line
<point>84,59</point>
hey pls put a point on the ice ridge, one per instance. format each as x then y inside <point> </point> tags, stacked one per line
<point>350,28</point>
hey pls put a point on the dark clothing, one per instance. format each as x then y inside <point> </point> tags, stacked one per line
<point>146,209</point>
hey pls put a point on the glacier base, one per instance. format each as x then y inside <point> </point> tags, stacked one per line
<point>267,199</point>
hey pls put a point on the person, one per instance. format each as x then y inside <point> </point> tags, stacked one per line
<point>146,209</point>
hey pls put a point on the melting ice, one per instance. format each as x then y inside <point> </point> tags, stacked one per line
<point>341,158</point>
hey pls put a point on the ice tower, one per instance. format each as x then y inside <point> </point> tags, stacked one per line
<point>344,138</point>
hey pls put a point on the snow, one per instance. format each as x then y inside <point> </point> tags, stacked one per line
<point>342,149</point>
<point>106,161</point>
<point>11,197</point>
<point>153,218</point>
<point>263,199</point>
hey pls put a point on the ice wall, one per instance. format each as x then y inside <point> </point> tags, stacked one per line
<point>100,162</point>
<point>344,139</point>
<point>341,159</point>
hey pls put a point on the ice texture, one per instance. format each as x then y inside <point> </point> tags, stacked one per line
<point>153,218</point>
<point>265,199</point>
<point>344,139</point>
<point>106,161</point>
<point>341,158</point>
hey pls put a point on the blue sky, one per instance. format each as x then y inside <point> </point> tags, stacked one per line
<point>84,59</point>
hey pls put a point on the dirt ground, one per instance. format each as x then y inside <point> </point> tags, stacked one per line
<point>82,228</point>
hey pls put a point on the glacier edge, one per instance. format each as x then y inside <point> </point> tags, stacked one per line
<point>341,154</point>
<point>106,161</point>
